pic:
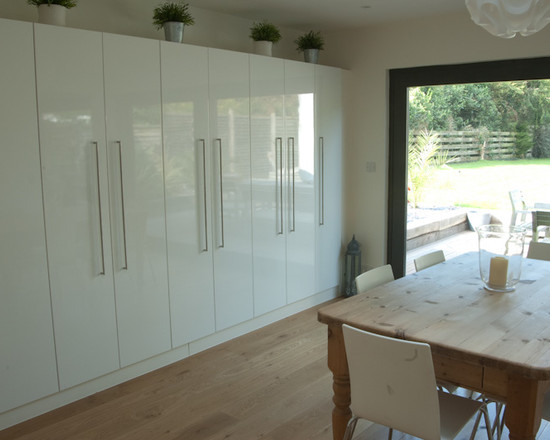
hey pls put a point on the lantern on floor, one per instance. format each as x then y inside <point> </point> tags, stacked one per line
<point>352,266</point>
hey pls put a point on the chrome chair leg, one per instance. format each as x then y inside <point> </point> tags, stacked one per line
<point>350,428</point>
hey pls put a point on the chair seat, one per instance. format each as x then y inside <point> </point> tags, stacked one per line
<point>455,413</point>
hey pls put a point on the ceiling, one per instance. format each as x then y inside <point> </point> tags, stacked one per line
<point>327,15</point>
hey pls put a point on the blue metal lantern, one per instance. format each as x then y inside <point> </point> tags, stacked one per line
<point>352,266</point>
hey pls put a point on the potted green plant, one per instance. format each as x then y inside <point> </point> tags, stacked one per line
<point>310,44</point>
<point>172,17</point>
<point>264,34</point>
<point>52,11</point>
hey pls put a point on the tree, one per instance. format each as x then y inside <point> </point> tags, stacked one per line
<point>524,142</point>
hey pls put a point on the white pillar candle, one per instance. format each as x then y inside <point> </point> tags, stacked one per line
<point>498,272</point>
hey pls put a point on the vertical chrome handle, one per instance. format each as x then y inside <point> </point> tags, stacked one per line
<point>279,180</point>
<point>322,181</point>
<point>290,143</point>
<point>221,192</point>
<point>125,267</point>
<point>96,144</point>
<point>205,249</point>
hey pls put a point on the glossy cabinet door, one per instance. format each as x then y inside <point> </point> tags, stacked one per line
<point>28,368</point>
<point>231,201</point>
<point>268,156</point>
<point>134,145</point>
<point>73,152</point>
<point>299,139</point>
<point>328,137</point>
<point>187,159</point>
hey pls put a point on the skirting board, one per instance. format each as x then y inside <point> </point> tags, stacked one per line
<point>49,403</point>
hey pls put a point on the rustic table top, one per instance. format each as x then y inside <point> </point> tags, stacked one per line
<point>447,307</point>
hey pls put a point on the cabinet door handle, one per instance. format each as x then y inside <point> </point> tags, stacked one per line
<point>125,267</point>
<point>279,178</point>
<point>205,248</point>
<point>292,177</point>
<point>322,181</point>
<point>96,144</point>
<point>219,141</point>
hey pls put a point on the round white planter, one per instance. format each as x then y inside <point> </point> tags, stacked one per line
<point>263,47</point>
<point>52,14</point>
<point>173,31</point>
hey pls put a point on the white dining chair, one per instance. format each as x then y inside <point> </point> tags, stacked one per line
<point>539,250</point>
<point>429,259</point>
<point>393,384</point>
<point>374,277</point>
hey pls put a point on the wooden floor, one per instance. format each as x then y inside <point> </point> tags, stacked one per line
<point>272,384</point>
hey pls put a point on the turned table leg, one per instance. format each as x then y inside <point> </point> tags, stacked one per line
<point>338,364</point>
<point>523,408</point>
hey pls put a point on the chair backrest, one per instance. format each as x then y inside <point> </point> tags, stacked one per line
<point>517,199</point>
<point>539,250</point>
<point>393,383</point>
<point>374,277</point>
<point>429,259</point>
<point>519,207</point>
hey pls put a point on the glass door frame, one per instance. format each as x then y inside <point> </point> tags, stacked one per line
<point>400,81</point>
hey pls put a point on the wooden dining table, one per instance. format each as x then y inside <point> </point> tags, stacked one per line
<point>494,343</point>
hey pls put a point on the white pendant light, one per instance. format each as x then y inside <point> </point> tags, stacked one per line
<point>505,18</point>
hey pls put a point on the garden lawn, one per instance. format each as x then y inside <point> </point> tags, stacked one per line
<point>485,184</point>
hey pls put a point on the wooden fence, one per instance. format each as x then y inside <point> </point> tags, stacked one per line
<point>469,146</point>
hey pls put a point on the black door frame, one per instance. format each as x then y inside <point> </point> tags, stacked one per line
<point>400,81</point>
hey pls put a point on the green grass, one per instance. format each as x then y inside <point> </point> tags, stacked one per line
<point>485,184</point>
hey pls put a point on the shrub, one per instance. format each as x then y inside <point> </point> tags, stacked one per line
<point>310,40</point>
<point>524,142</point>
<point>172,11</point>
<point>265,31</point>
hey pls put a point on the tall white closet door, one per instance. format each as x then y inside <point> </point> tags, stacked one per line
<point>27,361</point>
<point>268,153</point>
<point>134,143</point>
<point>187,150</point>
<point>328,137</point>
<point>299,138</point>
<point>72,142</point>
<point>231,207</point>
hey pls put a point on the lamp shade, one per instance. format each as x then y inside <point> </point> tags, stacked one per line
<point>506,18</point>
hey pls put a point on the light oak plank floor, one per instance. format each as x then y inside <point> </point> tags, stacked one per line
<point>272,384</point>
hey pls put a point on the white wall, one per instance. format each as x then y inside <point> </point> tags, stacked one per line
<point>131,17</point>
<point>369,54</point>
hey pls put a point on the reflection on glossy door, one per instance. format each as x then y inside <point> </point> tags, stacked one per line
<point>72,142</point>
<point>188,170</point>
<point>328,138</point>
<point>231,207</point>
<point>299,132</point>
<point>268,155</point>
<point>27,360</point>
<point>134,142</point>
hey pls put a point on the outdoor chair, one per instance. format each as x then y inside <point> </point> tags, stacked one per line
<point>520,210</point>
<point>429,259</point>
<point>541,221</point>
<point>374,277</point>
<point>393,384</point>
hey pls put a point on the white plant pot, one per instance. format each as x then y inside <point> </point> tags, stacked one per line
<point>173,31</point>
<point>52,14</point>
<point>263,47</point>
